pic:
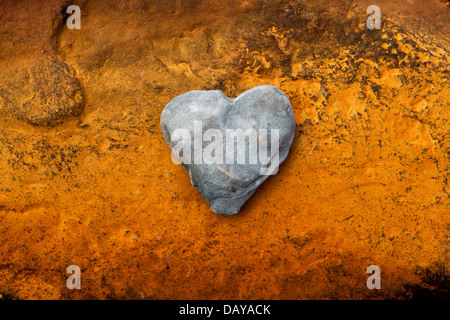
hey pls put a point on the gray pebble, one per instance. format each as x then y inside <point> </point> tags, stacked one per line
<point>226,185</point>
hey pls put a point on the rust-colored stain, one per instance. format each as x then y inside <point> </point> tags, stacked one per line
<point>366,182</point>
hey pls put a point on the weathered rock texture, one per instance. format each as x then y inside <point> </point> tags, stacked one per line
<point>227,186</point>
<point>366,180</point>
<point>42,92</point>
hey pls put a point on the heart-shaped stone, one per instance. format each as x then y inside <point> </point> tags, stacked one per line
<point>228,146</point>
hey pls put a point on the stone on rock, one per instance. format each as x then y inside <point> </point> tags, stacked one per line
<point>202,128</point>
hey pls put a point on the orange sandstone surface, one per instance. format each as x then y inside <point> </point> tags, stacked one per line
<point>86,178</point>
